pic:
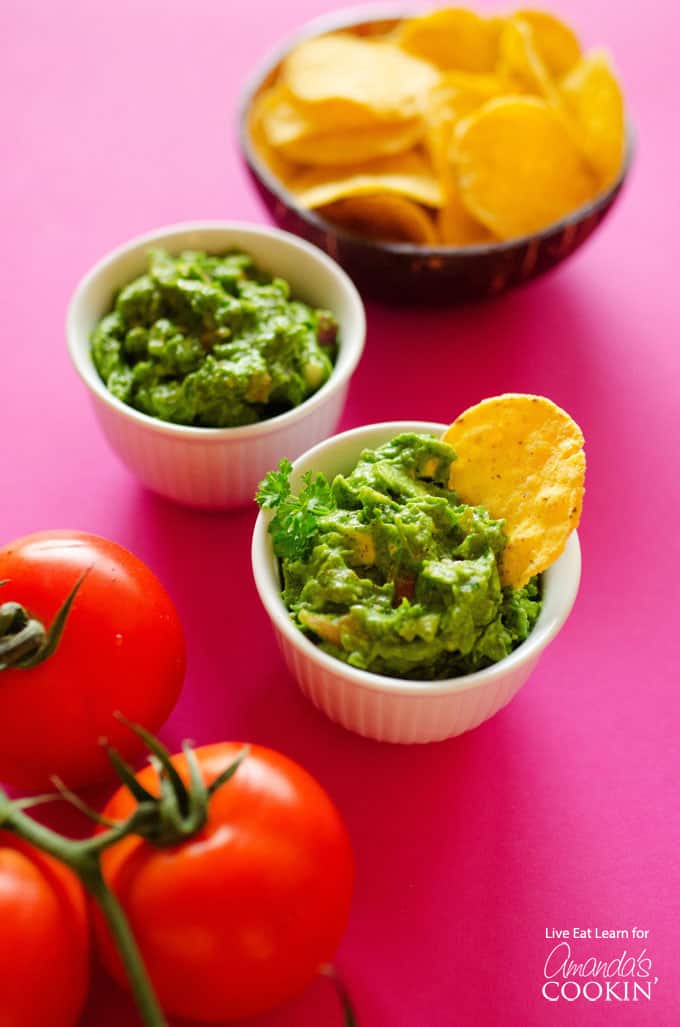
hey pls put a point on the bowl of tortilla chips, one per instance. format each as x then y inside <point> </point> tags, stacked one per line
<point>440,157</point>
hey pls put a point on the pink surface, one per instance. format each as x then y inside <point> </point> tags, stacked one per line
<point>562,811</point>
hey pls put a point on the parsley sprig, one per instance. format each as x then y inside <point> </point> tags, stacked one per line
<point>296,519</point>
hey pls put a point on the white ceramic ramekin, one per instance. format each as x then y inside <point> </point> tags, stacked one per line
<point>217,467</point>
<point>390,709</point>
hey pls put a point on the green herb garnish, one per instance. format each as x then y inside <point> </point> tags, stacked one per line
<point>295,523</point>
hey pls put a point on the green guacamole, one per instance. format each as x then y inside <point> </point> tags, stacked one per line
<point>385,569</point>
<point>212,341</point>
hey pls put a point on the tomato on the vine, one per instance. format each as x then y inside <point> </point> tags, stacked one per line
<point>44,939</point>
<point>122,648</point>
<point>240,917</point>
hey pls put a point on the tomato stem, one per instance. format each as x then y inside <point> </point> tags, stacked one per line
<point>24,640</point>
<point>68,796</point>
<point>341,990</point>
<point>142,989</point>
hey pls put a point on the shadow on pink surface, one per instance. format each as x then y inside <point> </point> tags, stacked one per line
<point>110,1006</point>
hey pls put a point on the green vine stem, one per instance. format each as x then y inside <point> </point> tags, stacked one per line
<point>84,859</point>
<point>328,970</point>
<point>24,640</point>
<point>142,990</point>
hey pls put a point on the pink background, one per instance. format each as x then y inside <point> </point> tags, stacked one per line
<point>560,812</point>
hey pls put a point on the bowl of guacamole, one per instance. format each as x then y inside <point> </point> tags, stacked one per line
<point>211,348</point>
<point>383,587</point>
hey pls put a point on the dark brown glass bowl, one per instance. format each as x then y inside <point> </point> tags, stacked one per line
<point>405,272</point>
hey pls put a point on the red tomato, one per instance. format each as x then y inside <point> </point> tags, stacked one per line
<point>122,649</point>
<point>239,918</point>
<point>43,939</point>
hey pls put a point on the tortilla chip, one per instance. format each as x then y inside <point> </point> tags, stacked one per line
<point>298,138</point>
<point>456,225</point>
<point>595,105</point>
<point>456,95</point>
<point>452,38</point>
<point>268,154</point>
<point>555,42</point>
<point>350,81</point>
<point>388,218</point>
<point>522,458</point>
<point>521,63</point>
<point>407,174</point>
<point>519,169</point>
